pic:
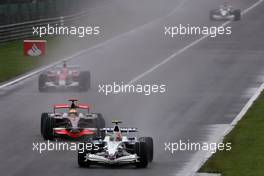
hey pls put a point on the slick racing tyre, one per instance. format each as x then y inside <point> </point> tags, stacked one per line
<point>41,84</point>
<point>44,116</point>
<point>237,14</point>
<point>96,123</point>
<point>149,143</point>
<point>100,123</point>
<point>84,81</point>
<point>141,151</point>
<point>82,162</point>
<point>48,125</point>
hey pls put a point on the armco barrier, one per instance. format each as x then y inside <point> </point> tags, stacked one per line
<point>25,29</point>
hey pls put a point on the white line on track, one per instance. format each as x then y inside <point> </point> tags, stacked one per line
<point>187,47</point>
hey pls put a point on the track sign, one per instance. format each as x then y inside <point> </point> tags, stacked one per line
<point>34,47</point>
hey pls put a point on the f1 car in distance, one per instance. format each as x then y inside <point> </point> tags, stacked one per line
<point>71,124</point>
<point>64,77</point>
<point>118,148</point>
<point>225,12</point>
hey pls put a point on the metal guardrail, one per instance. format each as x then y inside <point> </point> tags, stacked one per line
<point>23,30</point>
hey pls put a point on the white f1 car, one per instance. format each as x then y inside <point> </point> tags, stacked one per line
<point>117,148</point>
<point>225,12</point>
<point>64,77</point>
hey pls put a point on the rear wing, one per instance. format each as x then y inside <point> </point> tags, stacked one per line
<point>122,130</point>
<point>68,66</point>
<point>66,106</point>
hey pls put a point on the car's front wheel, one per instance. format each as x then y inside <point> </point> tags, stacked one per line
<point>149,143</point>
<point>82,162</point>
<point>48,125</point>
<point>44,116</point>
<point>142,153</point>
<point>82,153</point>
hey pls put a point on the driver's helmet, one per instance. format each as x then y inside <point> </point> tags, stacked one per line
<point>64,65</point>
<point>116,136</point>
<point>73,112</point>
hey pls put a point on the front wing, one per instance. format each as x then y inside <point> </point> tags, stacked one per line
<point>74,134</point>
<point>103,160</point>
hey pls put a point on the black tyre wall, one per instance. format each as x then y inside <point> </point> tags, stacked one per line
<point>48,126</point>
<point>81,159</point>
<point>100,124</point>
<point>237,14</point>
<point>149,143</point>
<point>44,116</point>
<point>141,151</point>
<point>42,80</point>
<point>85,80</point>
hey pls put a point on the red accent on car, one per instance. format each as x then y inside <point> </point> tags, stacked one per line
<point>83,106</point>
<point>74,135</point>
<point>58,106</point>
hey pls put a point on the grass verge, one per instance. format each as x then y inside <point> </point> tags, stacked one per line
<point>13,63</point>
<point>247,155</point>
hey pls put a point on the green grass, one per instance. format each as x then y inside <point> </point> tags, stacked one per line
<point>13,63</point>
<point>247,155</point>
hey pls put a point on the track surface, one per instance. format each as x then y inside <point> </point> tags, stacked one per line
<point>206,85</point>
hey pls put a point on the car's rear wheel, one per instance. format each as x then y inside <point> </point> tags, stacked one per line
<point>237,14</point>
<point>84,80</point>
<point>100,123</point>
<point>142,153</point>
<point>96,123</point>
<point>42,80</point>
